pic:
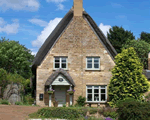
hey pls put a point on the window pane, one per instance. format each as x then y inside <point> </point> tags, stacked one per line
<point>63,60</point>
<point>96,90</point>
<point>96,97</point>
<point>102,97</point>
<point>89,65</point>
<point>96,65</point>
<point>96,60</point>
<point>56,59</point>
<point>89,90</point>
<point>56,65</point>
<point>89,59</point>
<point>63,65</point>
<point>89,97</point>
<point>89,87</point>
<point>102,90</point>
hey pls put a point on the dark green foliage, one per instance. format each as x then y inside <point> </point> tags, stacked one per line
<point>81,101</point>
<point>145,36</point>
<point>131,109</point>
<point>3,79</point>
<point>18,103</point>
<point>60,112</point>
<point>127,78</point>
<point>93,110</point>
<point>15,58</point>
<point>142,49</point>
<point>118,36</point>
<point>5,102</point>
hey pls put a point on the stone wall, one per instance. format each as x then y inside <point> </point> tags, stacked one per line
<point>77,42</point>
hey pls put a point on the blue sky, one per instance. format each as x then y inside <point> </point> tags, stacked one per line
<point>31,21</point>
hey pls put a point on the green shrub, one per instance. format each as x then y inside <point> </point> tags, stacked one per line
<point>18,103</point>
<point>93,110</point>
<point>61,112</point>
<point>5,102</point>
<point>131,109</point>
<point>112,114</point>
<point>70,105</point>
<point>64,105</point>
<point>81,101</point>
<point>28,100</point>
<point>108,112</point>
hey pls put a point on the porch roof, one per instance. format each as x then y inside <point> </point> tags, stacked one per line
<point>53,76</point>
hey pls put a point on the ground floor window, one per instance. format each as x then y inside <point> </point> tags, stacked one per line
<point>96,93</point>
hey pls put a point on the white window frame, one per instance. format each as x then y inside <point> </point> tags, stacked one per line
<point>92,63</point>
<point>99,87</point>
<point>60,63</point>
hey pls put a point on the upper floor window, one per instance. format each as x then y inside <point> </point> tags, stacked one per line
<point>60,62</point>
<point>93,63</point>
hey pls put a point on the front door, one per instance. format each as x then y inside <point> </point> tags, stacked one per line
<point>60,95</point>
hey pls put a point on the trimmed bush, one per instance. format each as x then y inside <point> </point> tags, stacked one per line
<point>5,102</point>
<point>18,103</point>
<point>131,109</point>
<point>93,110</point>
<point>81,101</point>
<point>63,113</point>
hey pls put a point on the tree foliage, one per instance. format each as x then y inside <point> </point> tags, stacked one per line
<point>142,49</point>
<point>127,78</point>
<point>145,36</point>
<point>15,58</point>
<point>118,36</point>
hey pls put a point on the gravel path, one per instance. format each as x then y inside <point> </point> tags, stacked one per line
<point>16,112</point>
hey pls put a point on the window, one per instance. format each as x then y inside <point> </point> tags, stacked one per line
<point>60,62</point>
<point>96,93</point>
<point>93,63</point>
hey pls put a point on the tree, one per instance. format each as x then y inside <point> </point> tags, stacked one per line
<point>127,78</point>
<point>118,36</point>
<point>15,58</point>
<point>145,36</point>
<point>3,80</point>
<point>142,49</point>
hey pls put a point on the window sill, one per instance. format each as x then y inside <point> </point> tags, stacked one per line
<point>93,69</point>
<point>96,102</point>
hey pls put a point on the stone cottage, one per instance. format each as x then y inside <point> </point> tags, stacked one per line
<point>76,56</point>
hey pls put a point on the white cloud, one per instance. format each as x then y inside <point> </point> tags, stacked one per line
<point>58,3</point>
<point>2,22</point>
<point>30,5</point>
<point>46,32</point>
<point>10,28</point>
<point>60,7</point>
<point>38,22</point>
<point>104,28</point>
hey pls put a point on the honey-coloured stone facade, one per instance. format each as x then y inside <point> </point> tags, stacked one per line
<point>77,42</point>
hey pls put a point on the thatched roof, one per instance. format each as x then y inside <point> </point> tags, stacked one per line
<point>59,29</point>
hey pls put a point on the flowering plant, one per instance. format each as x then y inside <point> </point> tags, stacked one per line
<point>70,91</point>
<point>50,91</point>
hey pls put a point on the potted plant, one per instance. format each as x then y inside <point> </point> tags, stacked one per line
<point>51,91</point>
<point>70,91</point>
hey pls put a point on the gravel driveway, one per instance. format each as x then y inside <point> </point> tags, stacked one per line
<point>16,112</point>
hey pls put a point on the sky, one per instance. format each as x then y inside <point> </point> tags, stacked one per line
<point>31,21</point>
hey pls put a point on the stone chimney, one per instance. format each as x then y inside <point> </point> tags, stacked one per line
<point>78,7</point>
<point>149,61</point>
